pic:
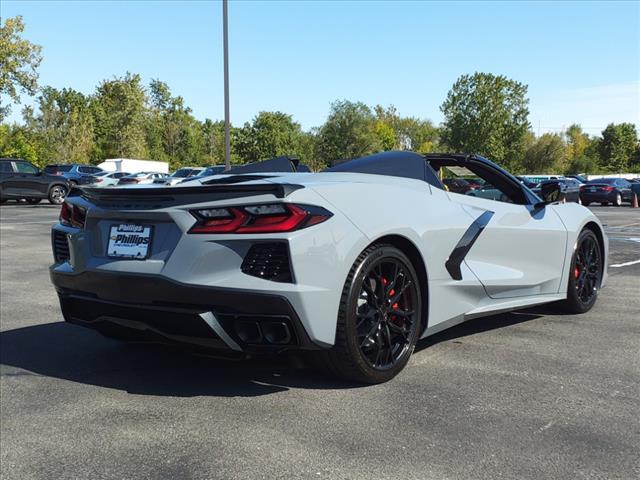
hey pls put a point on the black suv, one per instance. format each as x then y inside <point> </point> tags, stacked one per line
<point>20,179</point>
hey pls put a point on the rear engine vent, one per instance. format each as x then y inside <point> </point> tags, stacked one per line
<point>60,246</point>
<point>269,261</point>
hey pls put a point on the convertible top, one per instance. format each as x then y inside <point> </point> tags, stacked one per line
<point>395,163</point>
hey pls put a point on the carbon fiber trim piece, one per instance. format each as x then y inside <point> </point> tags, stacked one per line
<point>464,245</point>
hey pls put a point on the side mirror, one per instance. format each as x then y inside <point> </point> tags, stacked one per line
<point>553,192</point>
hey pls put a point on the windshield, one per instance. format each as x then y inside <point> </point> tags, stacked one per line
<point>182,173</point>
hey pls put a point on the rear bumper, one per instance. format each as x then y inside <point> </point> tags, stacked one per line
<point>160,309</point>
<point>598,197</point>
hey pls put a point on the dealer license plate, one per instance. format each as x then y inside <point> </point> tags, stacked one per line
<point>129,241</point>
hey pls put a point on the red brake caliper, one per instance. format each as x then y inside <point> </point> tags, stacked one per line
<point>392,292</point>
<point>576,272</point>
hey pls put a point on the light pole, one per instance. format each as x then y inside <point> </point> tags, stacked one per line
<point>227,122</point>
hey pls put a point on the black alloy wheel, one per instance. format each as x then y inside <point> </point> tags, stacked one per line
<point>379,317</point>
<point>385,313</point>
<point>585,274</point>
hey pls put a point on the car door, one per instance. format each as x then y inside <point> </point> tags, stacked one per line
<point>25,181</point>
<point>520,250</point>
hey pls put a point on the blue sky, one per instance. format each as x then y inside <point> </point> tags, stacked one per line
<point>581,60</point>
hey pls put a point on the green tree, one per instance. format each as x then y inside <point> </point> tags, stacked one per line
<point>270,134</point>
<point>487,114</point>
<point>618,146</point>
<point>347,133</point>
<point>19,61</point>
<point>545,154</point>
<point>583,164</point>
<point>119,113</point>
<point>17,141</point>
<point>577,141</point>
<point>63,126</point>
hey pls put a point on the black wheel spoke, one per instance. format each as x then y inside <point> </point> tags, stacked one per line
<point>385,315</point>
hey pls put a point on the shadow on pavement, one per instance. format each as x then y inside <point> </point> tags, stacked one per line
<point>68,352</point>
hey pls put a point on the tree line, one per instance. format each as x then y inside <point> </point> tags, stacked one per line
<point>123,118</point>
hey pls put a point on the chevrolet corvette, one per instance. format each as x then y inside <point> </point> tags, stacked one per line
<point>353,265</point>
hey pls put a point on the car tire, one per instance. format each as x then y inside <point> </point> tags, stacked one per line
<point>57,194</point>
<point>33,201</point>
<point>372,343</point>
<point>585,204</point>
<point>585,274</point>
<point>618,201</point>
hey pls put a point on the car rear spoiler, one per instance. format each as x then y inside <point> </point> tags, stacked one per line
<point>158,197</point>
<point>283,164</point>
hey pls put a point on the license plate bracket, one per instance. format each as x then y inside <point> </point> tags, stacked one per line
<point>129,241</point>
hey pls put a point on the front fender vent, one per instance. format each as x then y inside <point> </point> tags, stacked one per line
<point>269,261</point>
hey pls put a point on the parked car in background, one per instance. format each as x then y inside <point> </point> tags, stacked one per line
<point>606,191</point>
<point>528,183</point>
<point>457,185</point>
<point>107,179</point>
<point>141,178</point>
<point>179,175</point>
<point>580,178</point>
<point>212,170</point>
<point>75,173</point>
<point>20,179</point>
<point>489,192</point>
<point>570,188</point>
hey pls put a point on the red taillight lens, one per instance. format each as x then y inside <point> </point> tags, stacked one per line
<point>72,216</point>
<point>607,189</point>
<point>98,180</point>
<point>270,218</point>
<point>65,214</point>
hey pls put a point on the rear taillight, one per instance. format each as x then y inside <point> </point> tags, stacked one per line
<point>65,214</point>
<point>72,216</point>
<point>608,189</point>
<point>269,218</point>
<point>98,180</point>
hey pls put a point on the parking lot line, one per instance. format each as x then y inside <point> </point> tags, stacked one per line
<point>625,264</point>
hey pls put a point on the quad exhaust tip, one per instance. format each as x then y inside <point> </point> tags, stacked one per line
<point>260,332</point>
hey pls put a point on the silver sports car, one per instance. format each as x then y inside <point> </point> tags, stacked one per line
<point>354,264</point>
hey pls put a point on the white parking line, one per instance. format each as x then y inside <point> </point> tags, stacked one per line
<point>625,264</point>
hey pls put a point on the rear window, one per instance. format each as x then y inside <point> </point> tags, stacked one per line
<point>608,181</point>
<point>57,168</point>
<point>89,169</point>
<point>5,167</point>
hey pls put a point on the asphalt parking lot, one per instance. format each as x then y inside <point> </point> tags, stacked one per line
<point>526,395</point>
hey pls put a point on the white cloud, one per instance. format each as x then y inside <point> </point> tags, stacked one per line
<point>592,107</point>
